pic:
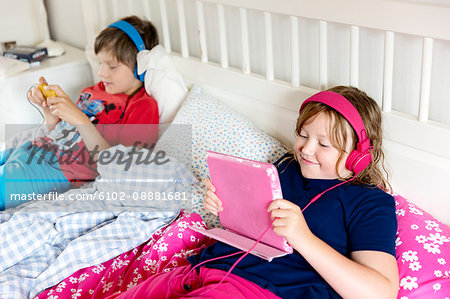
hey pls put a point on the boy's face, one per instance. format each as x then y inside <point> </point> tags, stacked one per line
<point>116,76</point>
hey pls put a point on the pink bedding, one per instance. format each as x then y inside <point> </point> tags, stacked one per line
<point>423,246</point>
<point>164,251</point>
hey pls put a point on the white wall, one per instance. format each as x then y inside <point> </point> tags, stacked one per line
<point>20,25</point>
<point>65,19</point>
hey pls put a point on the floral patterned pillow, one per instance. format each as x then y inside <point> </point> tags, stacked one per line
<point>202,124</point>
<point>423,253</point>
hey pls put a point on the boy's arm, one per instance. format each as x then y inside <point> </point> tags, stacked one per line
<point>62,107</point>
<point>92,138</point>
<point>50,120</point>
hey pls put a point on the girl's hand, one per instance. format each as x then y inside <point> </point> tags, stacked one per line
<point>64,108</point>
<point>290,222</point>
<point>211,202</point>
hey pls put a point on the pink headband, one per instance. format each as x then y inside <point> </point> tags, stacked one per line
<point>344,107</point>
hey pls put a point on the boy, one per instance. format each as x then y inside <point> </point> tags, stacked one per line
<point>63,157</point>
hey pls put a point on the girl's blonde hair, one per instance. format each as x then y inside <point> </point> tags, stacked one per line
<point>374,174</point>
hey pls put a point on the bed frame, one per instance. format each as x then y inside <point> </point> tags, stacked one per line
<point>254,56</point>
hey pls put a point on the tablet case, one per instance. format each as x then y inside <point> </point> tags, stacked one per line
<point>246,188</point>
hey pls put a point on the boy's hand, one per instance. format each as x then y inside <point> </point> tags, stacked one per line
<point>35,95</point>
<point>290,222</point>
<point>211,202</point>
<point>64,108</point>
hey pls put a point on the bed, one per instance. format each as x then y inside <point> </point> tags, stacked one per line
<point>248,65</point>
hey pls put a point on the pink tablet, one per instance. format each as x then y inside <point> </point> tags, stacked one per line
<point>246,188</point>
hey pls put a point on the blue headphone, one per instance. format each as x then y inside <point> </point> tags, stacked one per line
<point>135,37</point>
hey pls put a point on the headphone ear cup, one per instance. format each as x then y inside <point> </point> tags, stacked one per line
<point>358,161</point>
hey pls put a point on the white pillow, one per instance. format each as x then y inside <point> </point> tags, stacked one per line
<point>162,81</point>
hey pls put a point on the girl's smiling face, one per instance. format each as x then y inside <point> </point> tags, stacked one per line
<point>116,76</point>
<point>315,152</point>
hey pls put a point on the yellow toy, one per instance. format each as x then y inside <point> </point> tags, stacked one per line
<point>47,92</point>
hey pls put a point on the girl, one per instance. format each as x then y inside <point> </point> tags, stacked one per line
<point>336,215</point>
<point>65,156</point>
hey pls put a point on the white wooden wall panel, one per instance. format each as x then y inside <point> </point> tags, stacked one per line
<point>408,17</point>
<point>379,46</point>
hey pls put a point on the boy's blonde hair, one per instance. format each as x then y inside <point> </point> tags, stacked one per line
<point>117,42</point>
<point>374,174</point>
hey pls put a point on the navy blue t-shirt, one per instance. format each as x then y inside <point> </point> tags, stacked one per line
<point>348,218</point>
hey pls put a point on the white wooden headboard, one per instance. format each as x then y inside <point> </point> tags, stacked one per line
<point>263,57</point>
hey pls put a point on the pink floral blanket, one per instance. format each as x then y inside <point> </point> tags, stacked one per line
<point>165,250</point>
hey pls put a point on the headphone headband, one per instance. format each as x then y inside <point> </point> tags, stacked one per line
<point>360,157</point>
<point>134,35</point>
<point>131,32</point>
<point>344,107</point>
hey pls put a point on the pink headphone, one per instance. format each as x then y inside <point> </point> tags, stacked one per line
<point>359,158</point>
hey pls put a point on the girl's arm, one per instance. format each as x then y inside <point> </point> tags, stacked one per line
<point>367,274</point>
<point>62,107</point>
